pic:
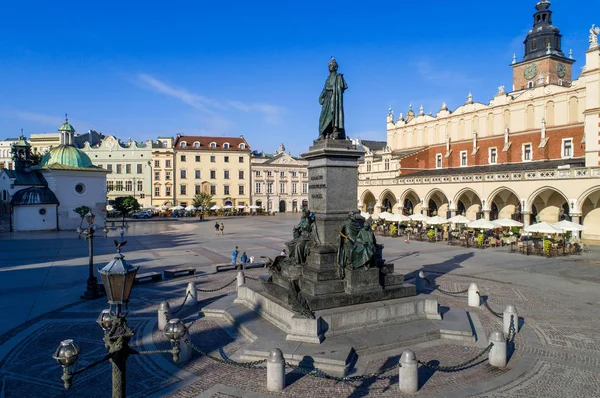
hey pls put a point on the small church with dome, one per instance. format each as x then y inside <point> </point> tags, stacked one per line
<point>43,197</point>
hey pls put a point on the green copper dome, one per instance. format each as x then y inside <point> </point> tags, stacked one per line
<point>66,155</point>
<point>66,126</point>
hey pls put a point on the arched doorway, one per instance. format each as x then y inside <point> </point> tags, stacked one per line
<point>468,204</point>
<point>505,203</point>
<point>282,206</point>
<point>412,203</point>
<point>369,202</point>
<point>590,215</point>
<point>549,205</point>
<point>228,203</point>
<point>259,203</point>
<point>294,205</point>
<point>437,204</point>
<point>388,201</point>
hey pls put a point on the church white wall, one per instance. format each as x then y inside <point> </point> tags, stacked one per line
<point>63,184</point>
<point>29,218</point>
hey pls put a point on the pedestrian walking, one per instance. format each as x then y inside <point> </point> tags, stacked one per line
<point>216,228</point>
<point>234,255</point>
<point>122,233</point>
<point>222,229</point>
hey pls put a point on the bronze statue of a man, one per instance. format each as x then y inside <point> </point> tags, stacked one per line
<point>331,122</point>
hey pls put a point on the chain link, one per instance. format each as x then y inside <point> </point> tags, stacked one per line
<point>252,278</point>
<point>512,331</point>
<point>437,287</point>
<point>498,314</point>
<point>322,375</point>
<point>461,366</point>
<point>247,365</point>
<point>217,289</point>
<point>182,304</point>
<point>154,352</point>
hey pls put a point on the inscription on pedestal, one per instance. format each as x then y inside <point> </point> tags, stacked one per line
<point>312,187</point>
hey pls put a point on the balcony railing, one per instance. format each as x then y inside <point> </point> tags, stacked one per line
<point>552,174</point>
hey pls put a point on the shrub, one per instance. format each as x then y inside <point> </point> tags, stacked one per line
<point>393,230</point>
<point>480,239</point>
<point>430,234</point>
<point>547,247</point>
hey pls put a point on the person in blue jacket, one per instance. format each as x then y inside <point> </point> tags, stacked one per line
<point>234,255</point>
<point>244,258</point>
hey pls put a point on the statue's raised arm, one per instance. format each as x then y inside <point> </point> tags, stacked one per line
<point>331,122</point>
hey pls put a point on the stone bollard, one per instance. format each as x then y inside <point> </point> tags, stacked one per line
<point>164,313</point>
<point>474,299</point>
<point>241,279</point>
<point>408,373</point>
<point>186,351</point>
<point>510,310</point>
<point>193,294</point>
<point>420,282</point>
<point>275,370</point>
<point>497,355</point>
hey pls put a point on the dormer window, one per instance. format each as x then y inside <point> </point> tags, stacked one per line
<point>196,145</point>
<point>182,144</point>
<point>226,145</point>
<point>213,145</point>
<point>164,144</point>
<point>242,146</point>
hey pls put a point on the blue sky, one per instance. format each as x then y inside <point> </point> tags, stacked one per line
<point>145,69</point>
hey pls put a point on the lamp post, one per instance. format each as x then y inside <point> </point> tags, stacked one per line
<point>91,292</point>
<point>118,277</point>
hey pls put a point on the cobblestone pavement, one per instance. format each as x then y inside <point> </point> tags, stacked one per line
<point>556,353</point>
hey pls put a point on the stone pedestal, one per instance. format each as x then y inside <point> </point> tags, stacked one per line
<point>333,184</point>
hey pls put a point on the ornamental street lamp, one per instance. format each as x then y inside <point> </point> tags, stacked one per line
<point>91,292</point>
<point>118,277</point>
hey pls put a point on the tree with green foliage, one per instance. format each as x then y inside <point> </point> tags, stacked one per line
<point>125,205</point>
<point>82,211</point>
<point>36,157</point>
<point>202,201</point>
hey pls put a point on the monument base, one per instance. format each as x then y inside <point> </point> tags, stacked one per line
<point>344,318</point>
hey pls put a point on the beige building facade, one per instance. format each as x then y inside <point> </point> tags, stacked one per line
<point>279,182</point>
<point>530,154</point>
<point>219,166</point>
<point>163,172</point>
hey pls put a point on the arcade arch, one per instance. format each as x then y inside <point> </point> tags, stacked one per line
<point>411,203</point>
<point>504,202</point>
<point>437,203</point>
<point>369,202</point>
<point>468,203</point>
<point>548,204</point>
<point>388,201</point>
<point>590,213</point>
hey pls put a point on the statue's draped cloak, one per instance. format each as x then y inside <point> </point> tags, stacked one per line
<point>332,112</point>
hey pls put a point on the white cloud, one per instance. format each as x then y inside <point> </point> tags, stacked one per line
<point>37,118</point>
<point>271,113</point>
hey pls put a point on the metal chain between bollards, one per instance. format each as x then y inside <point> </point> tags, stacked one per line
<point>182,304</point>
<point>437,287</point>
<point>460,366</point>
<point>217,289</point>
<point>322,375</point>
<point>247,365</point>
<point>251,278</point>
<point>498,314</point>
<point>512,331</point>
<point>154,352</point>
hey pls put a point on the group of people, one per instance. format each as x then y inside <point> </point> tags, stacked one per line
<point>244,259</point>
<point>219,228</point>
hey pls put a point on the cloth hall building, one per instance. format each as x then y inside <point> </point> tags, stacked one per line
<point>532,153</point>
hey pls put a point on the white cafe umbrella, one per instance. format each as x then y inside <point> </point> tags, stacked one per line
<point>419,217</point>
<point>508,222</point>
<point>385,215</point>
<point>374,217</point>
<point>254,207</point>
<point>365,215</point>
<point>570,226</point>
<point>543,228</point>
<point>228,207</point>
<point>437,220</point>
<point>240,207</point>
<point>163,207</point>
<point>215,207</point>
<point>191,208</point>
<point>459,219</point>
<point>482,223</point>
<point>177,208</point>
<point>399,218</point>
